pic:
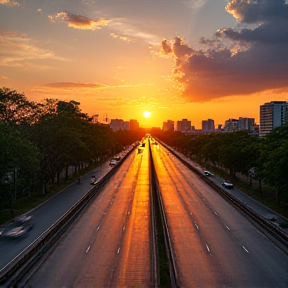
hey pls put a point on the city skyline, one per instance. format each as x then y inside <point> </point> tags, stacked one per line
<point>202,59</point>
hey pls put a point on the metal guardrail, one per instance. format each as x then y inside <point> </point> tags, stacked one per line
<point>153,232</point>
<point>167,238</point>
<point>15,270</point>
<point>277,231</point>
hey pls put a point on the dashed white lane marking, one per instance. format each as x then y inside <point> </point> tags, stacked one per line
<point>118,251</point>
<point>245,249</point>
<point>227,227</point>
<point>208,249</point>
<point>98,227</point>
<point>87,249</point>
<point>197,227</point>
<point>215,213</point>
<point>123,228</point>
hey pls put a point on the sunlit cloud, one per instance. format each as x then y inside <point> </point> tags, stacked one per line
<point>9,2</point>
<point>4,77</point>
<point>101,93</point>
<point>124,38</point>
<point>73,85</point>
<point>239,61</point>
<point>70,88</point>
<point>78,21</point>
<point>17,50</point>
<point>132,30</point>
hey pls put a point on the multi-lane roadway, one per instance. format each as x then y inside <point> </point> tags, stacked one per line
<point>111,243</point>
<point>213,244</point>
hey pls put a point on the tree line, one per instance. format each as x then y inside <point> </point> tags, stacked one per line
<point>40,141</point>
<point>261,158</point>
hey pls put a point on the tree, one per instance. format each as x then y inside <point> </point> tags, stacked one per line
<point>14,107</point>
<point>18,163</point>
<point>273,162</point>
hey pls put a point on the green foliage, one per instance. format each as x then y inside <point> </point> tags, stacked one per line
<point>15,108</point>
<point>18,163</point>
<point>38,141</point>
<point>238,152</point>
<point>273,164</point>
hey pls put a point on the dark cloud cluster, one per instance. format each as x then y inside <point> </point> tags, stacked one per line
<point>250,58</point>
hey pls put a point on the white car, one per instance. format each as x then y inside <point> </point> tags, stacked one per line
<point>18,227</point>
<point>208,173</point>
<point>113,162</point>
<point>227,184</point>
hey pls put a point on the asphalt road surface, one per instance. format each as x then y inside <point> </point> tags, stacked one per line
<point>109,245</point>
<point>213,244</point>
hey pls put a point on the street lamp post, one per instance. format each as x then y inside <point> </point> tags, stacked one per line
<point>15,180</point>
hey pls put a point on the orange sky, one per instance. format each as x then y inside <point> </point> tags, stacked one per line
<point>200,59</point>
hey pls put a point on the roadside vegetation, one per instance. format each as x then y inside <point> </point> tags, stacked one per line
<point>40,143</point>
<point>256,165</point>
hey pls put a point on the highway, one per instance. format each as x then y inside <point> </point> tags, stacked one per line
<point>109,246</point>
<point>47,214</point>
<point>213,244</point>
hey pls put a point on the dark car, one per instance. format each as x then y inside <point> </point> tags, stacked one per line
<point>227,184</point>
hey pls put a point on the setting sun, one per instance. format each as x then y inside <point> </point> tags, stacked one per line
<point>146,114</point>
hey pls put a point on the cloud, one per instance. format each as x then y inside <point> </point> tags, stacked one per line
<point>78,21</point>
<point>73,85</point>
<point>248,11</point>
<point>17,50</point>
<point>238,61</point>
<point>124,38</point>
<point>132,29</point>
<point>9,3</point>
<point>90,86</point>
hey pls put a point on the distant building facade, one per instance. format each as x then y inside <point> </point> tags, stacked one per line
<point>168,126</point>
<point>208,126</point>
<point>134,125</point>
<point>119,124</point>
<point>232,125</point>
<point>94,118</point>
<point>272,114</point>
<point>184,125</point>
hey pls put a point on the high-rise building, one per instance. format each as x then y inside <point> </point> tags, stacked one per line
<point>168,126</point>
<point>184,125</point>
<point>119,124</point>
<point>134,125</point>
<point>272,114</point>
<point>246,124</point>
<point>232,125</point>
<point>208,126</point>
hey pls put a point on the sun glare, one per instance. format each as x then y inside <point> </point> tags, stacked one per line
<point>146,114</point>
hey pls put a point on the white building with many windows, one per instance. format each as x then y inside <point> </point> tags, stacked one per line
<point>272,114</point>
